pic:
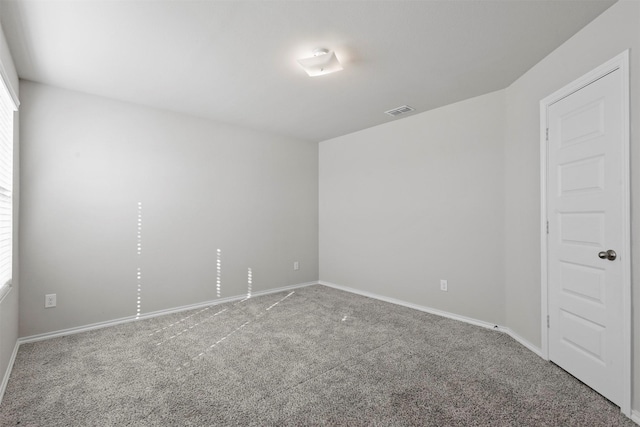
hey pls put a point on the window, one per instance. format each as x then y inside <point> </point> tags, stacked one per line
<point>6,188</point>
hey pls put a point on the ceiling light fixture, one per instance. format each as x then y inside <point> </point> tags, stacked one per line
<point>322,62</point>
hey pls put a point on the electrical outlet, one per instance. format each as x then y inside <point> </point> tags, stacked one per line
<point>296,265</point>
<point>443,285</point>
<point>49,300</point>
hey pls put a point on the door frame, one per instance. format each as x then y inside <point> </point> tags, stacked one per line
<point>620,62</point>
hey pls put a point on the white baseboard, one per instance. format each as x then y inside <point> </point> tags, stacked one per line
<point>437,312</point>
<point>527,344</point>
<point>635,416</point>
<point>442,313</point>
<point>99,325</point>
<point>7,373</point>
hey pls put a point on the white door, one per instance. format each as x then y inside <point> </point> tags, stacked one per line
<point>586,212</point>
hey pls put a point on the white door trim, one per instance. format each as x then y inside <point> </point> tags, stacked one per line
<point>620,62</point>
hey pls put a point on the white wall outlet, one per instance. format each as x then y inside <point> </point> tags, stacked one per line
<point>49,300</point>
<point>443,285</point>
<point>296,265</point>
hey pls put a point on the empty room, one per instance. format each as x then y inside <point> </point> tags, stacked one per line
<point>319,212</point>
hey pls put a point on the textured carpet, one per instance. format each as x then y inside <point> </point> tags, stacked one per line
<point>315,356</point>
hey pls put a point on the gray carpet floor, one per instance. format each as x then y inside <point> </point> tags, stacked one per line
<point>313,356</point>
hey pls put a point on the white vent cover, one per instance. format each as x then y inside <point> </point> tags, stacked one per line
<point>395,112</point>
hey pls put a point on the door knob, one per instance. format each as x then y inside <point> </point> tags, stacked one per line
<point>610,255</point>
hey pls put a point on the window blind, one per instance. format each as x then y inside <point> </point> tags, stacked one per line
<point>6,188</point>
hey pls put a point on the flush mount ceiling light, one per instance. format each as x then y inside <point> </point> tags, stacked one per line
<point>322,62</point>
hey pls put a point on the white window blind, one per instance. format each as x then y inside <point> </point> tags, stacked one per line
<point>6,188</point>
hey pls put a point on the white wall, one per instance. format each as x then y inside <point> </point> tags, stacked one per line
<point>9,305</point>
<point>455,193</point>
<point>86,163</point>
<point>617,29</point>
<point>410,202</point>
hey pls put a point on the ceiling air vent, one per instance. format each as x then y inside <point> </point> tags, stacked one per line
<point>395,112</point>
